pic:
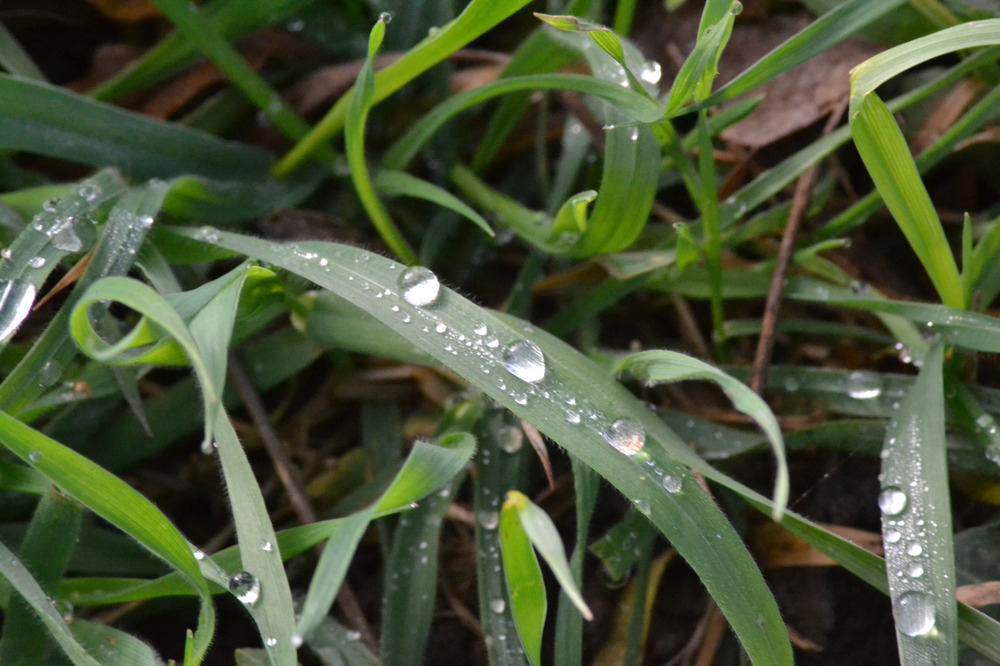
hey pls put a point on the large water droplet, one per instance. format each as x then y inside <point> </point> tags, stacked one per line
<point>626,435</point>
<point>672,484</point>
<point>419,286</point>
<point>914,613</point>
<point>914,549</point>
<point>892,501</point>
<point>246,587</point>
<point>16,299</point>
<point>863,385</point>
<point>524,360</point>
<point>64,236</point>
<point>385,17</point>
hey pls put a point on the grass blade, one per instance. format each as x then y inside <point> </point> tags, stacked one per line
<point>590,429</point>
<point>916,522</point>
<point>524,582</point>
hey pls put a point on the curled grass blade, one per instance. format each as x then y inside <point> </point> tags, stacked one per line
<point>916,522</point>
<point>657,366</point>
<point>396,183</point>
<point>689,518</point>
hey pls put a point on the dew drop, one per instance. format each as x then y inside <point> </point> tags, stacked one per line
<point>419,286</point>
<point>511,438</point>
<point>672,484</point>
<point>270,641</point>
<point>498,605</point>
<point>651,72</point>
<point>88,192</point>
<point>572,417</point>
<point>16,298</point>
<point>198,553</point>
<point>524,360</point>
<point>246,587</point>
<point>208,447</point>
<point>642,506</point>
<point>35,456</point>
<point>492,342</point>
<point>626,435</point>
<point>914,613</point>
<point>863,385</point>
<point>36,262</point>
<point>267,547</point>
<point>488,519</point>
<point>385,18</point>
<point>6,253</point>
<point>52,205</point>
<point>915,571</point>
<point>296,641</point>
<point>893,536</point>
<point>440,327</point>
<point>892,501</point>
<point>914,549</point>
<point>352,635</point>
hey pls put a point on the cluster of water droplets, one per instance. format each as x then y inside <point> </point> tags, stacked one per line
<point>906,552</point>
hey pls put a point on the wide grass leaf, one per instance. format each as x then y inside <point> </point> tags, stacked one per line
<point>545,382</point>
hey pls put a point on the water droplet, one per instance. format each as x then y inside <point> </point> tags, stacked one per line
<point>672,484</point>
<point>35,456</point>
<point>863,385</point>
<point>296,26</point>
<point>88,192</point>
<point>352,635</point>
<point>892,501</point>
<point>385,17</point>
<point>498,605</point>
<point>198,553</point>
<point>419,286</point>
<point>915,571</point>
<point>651,72</point>
<point>267,547</point>
<point>626,435</point>
<point>642,506</point>
<point>270,641</point>
<point>914,613</point>
<point>36,262</point>
<point>479,329</point>
<point>511,438</point>
<point>16,298</point>
<point>246,587</point>
<point>296,641</point>
<point>6,253</point>
<point>208,447</point>
<point>440,327</point>
<point>492,342</point>
<point>914,549</point>
<point>488,519</point>
<point>892,536</point>
<point>572,417</point>
<point>52,205</point>
<point>146,221</point>
<point>524,360</point>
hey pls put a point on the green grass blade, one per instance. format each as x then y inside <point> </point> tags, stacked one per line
<point>887,157</point>
<point>831,28</point>
<point>45,120</point>
<point>694,80</point>
<point>230,18</point>
<point>116,502</point>
<point>546,540</point>
<point>524,582</point>
<point>334,645</point>
<point>20,579</point>
<point>23,639</point>
<point>599,428</point>
<point>201,32</point>
<point>395,183</point>
<point>478,17</point>
<point>14,59</point>
<point>114,646</point>
<point>916,522</point>
<point>657,366</point>
<point>354,138</point>
<point>260,554</point>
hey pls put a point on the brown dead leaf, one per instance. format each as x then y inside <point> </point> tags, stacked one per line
<point>947,111</point>
<point>979,594</point>
<point>126,11</point>
<point>777,548</point>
